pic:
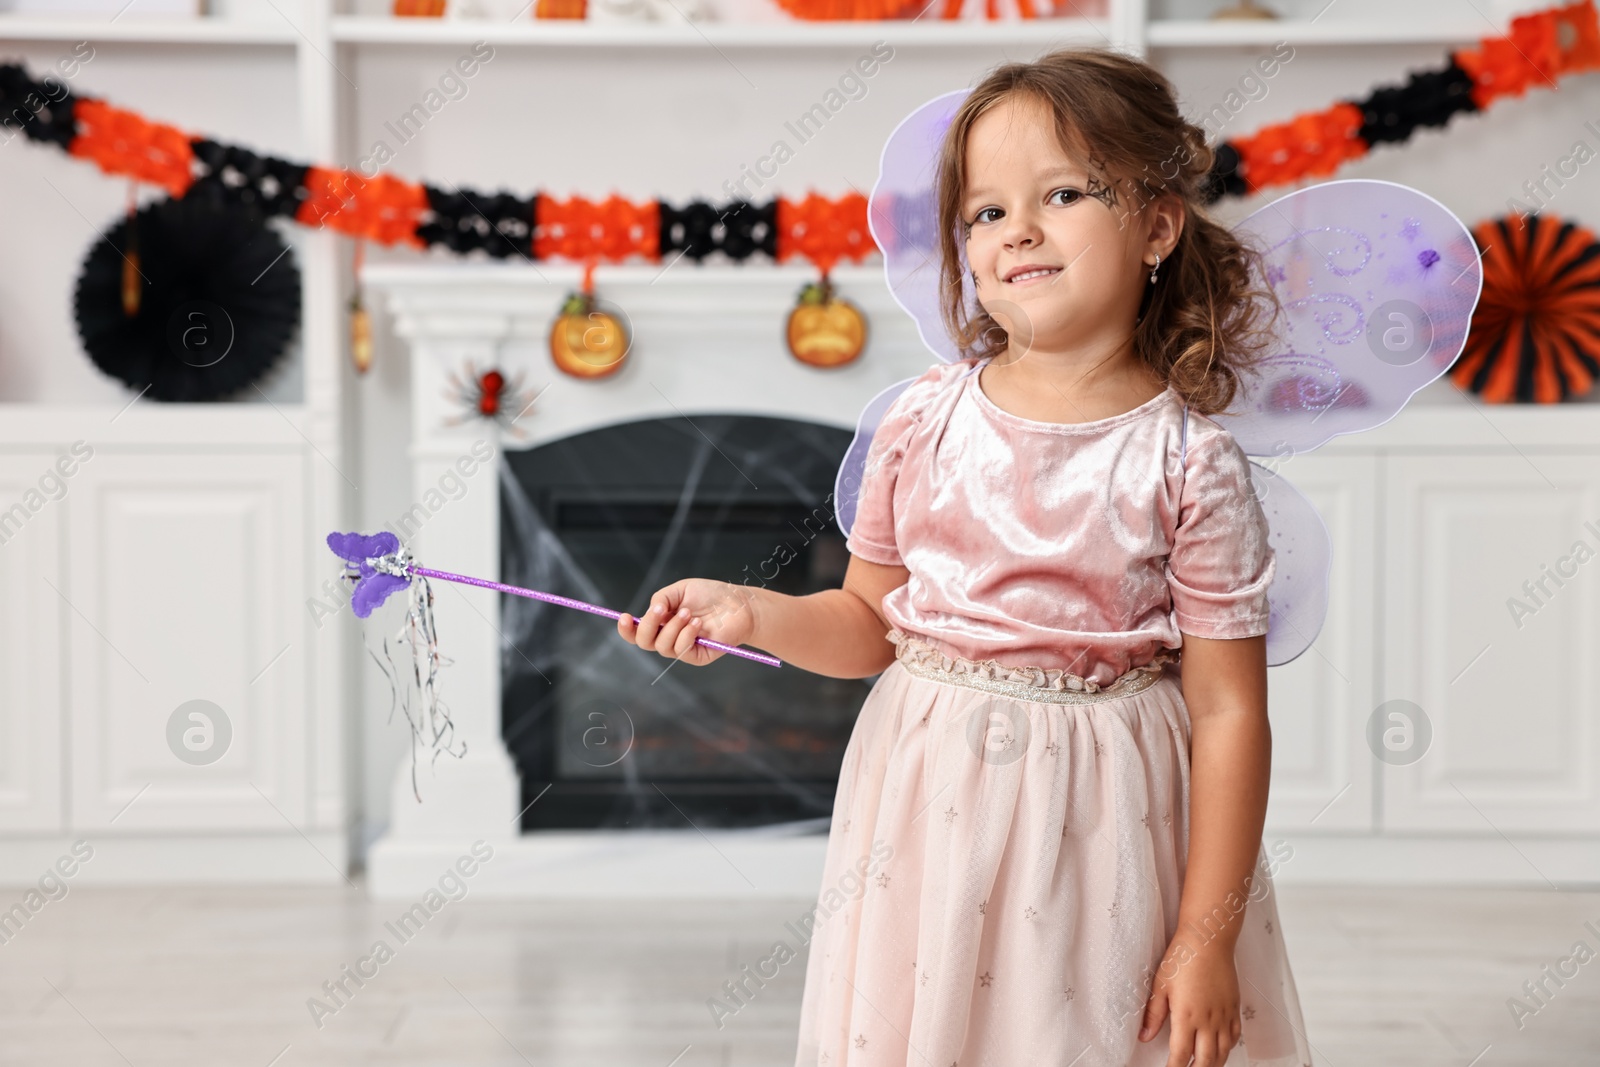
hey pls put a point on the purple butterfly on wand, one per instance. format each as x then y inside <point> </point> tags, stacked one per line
<point>382,567</point>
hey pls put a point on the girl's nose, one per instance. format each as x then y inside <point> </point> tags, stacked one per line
<point>1021,231</point>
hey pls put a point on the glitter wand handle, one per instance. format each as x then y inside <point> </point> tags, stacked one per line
<point>593,609</point>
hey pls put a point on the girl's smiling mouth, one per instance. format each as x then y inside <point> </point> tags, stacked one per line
<point>1029,272</point>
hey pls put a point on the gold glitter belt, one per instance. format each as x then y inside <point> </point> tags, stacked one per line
<point>1052,686</point>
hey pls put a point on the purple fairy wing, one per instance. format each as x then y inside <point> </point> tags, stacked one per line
<point>903,218</point>
<point>1304,553</point>
<point>847,486</point>
<point>1378,283</point>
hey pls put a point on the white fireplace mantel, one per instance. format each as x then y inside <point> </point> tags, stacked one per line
<point>706,340</point>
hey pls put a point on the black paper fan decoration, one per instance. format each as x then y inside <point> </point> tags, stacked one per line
<point>218,300</point>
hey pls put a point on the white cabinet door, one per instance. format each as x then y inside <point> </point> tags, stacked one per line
<point>1490,629</point>
<point>32,506</point>
<point>1319,703</point>
<point>186,576</point>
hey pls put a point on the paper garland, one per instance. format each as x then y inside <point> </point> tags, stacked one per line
<point>1539,48</point>
<point>392,211</point>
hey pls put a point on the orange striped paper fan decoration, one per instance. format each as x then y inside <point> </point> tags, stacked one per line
<point>1535,335</point>
<point>842,10</point>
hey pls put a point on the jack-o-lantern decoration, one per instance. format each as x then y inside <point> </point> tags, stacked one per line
<point>587,342</point>
<point>825,330</point>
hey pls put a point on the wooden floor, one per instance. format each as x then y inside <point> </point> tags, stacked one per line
<point>214,977</point>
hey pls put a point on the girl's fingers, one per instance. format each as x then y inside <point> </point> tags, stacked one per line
<point>673,636</point>
<point>667,639</point>
<point>1154,1012</point>
<point>648,625</point>
<point>687,637</point>
<point>1181,1047</point>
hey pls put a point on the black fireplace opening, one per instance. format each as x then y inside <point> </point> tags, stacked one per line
<point>607,735</point>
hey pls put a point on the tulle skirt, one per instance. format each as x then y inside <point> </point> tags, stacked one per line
<point>1003,875</point>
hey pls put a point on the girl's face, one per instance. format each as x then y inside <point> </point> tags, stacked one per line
<point>1059,260</point>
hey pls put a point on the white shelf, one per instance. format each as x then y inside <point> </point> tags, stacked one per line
<point>370,30</point>
<point>148,31</point>
<point>152,423</point>
<point>1184,33</point>
<point>552,32</point>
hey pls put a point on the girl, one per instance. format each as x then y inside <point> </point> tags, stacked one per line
<point>1046,843</point>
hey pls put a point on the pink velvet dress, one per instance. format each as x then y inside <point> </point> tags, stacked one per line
<point>1009,837</point>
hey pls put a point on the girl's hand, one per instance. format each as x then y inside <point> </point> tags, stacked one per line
<point>1200,991</point>
<point>690,609</point>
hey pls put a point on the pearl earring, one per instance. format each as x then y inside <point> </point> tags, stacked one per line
<point>1155,268</point>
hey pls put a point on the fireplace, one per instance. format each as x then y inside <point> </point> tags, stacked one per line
<point>607,735</point>
<point>710,448</point>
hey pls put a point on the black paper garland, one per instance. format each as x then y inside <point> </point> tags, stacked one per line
<point>738,230</point>
<point>219,300</point>
<point>234,175</point>
<point>500,225</point>
<point>41,108</point>
<point>1392,114</point>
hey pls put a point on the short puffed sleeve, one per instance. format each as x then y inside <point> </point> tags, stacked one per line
<point>1222,561</point>
<point>872,535</point>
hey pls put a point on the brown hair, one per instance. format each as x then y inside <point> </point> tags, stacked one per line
<point>1206,319</point>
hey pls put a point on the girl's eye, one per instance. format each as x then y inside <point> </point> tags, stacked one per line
<point>983,216</point>
<point>1073,193</point>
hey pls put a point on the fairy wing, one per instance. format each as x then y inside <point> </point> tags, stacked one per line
<point>1377,282</point>
<point>1303,549</point>
<point>902,216</point>
<point>847,485</point>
